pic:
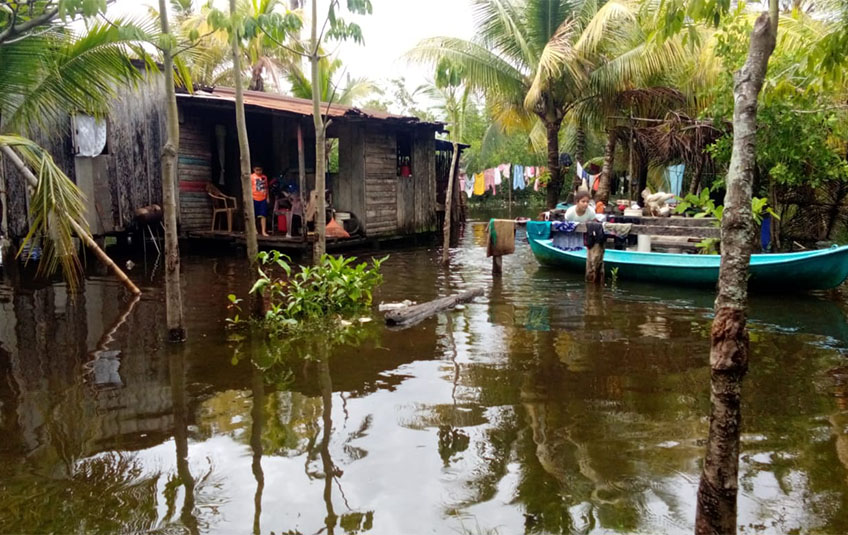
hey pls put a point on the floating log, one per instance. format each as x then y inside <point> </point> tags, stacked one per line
<point>406,317</point>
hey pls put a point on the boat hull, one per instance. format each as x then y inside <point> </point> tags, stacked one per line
<point>809,270</point>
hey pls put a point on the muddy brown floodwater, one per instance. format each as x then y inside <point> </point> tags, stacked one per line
<point>539,408</point>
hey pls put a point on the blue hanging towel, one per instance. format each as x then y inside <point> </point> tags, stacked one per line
<point>517,176</point>
<point>674,178</point>
<point>540,230</point>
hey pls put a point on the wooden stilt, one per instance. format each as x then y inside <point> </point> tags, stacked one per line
<point>497,265</point>
<point>595,264</point>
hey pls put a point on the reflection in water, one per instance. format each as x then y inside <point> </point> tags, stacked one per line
<point>257,419</point>
<point>540,408</point>
<point>184,477</point>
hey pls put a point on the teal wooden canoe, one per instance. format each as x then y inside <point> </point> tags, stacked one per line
<point>808,270</point>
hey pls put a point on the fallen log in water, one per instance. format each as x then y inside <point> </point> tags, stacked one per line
<point>406,317</point>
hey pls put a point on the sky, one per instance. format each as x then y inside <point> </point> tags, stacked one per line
<point>394,27</point>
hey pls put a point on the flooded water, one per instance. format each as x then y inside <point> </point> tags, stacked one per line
<point>538,408</point>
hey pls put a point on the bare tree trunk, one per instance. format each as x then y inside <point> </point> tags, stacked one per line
<point>244,168</point>
<point>695,184</point>
<point>173,292</point>
<point>555,183</point>
<point>449,204</point>
<point>320,134</point>
<point>82,233</point>
<point>716,512</point>
<point>838,199</point>
<point>606,176</point>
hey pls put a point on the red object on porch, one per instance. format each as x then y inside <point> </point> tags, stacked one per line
<point>281,223</point>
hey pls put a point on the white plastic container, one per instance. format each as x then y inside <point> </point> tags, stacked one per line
<point>632,212</point>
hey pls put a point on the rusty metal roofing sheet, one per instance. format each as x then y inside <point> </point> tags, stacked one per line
<point>300,106</point>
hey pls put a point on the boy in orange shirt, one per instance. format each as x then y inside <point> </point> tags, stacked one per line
<point>259,185</point>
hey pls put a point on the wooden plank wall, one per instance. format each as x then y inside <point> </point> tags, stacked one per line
<point>350,190</point>
<point>424,175</point>
<point>194,170</point>
<point>57,141</point>
<point>381,182</point>
<point>136,135</point>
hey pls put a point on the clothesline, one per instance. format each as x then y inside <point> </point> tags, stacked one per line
<point>516,176</point>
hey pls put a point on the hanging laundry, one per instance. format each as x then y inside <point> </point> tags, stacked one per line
<point>504,168</point>
<point>497,176</point>
<point>517,177</point>
<point>462,182</point>
<point>536,185</point>
<point>674,178</point>
<point>596,181</point>
<point>479,184</point>
<point>531,171</point>
<point>489,176</point>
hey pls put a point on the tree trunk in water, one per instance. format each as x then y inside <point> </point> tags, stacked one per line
<point>244,168</point>
<point>716,511</point>
<point>82,233</point>
<point>555,183</point>
<point>606,176</point>
<point>320,134</point>
<point>449,205</point>
<point>173,292</point>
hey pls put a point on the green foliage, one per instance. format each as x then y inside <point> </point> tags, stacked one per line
<point>332,290</point>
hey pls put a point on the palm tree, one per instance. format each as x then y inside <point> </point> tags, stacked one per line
<point>353,90</point>
<point>46,75</point>
<point>535,60</point>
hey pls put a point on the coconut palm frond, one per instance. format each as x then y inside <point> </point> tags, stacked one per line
<point>499,25</point>
<point>560,63</point>
<point>56,205</point>
<point>610,22</point>
<point>355,90</point>
<point>511,116</point>
<point>64,73</point>
<point>482,68</point>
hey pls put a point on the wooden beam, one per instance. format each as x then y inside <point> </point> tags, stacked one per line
<point>406,317</point>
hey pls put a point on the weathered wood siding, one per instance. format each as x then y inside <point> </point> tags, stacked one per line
<point>381,182</point>
<point>350,186</point>
<point>56,139</point>
<point>194,170</point>
<point>416,200</point>
<point>125,177</point>
<point>137,132</point>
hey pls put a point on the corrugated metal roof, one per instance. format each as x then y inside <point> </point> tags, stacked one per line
<point>300,106</point>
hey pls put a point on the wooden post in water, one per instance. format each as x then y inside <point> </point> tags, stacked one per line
<point>497,265</point>
<point>595,263</point>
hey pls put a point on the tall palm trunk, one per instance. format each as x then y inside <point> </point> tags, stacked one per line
<point>695,185</point>
<point>555,184</point>
<point>244,167</point>
<point>606,176</point>
<point>173,293</point>
<point>716,510</point>
<point>320,148</point>
<point>579,156</point>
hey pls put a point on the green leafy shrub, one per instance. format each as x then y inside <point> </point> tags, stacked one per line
<point>334,289</point>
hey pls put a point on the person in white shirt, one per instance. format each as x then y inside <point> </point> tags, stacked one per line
<point>581,211</point>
